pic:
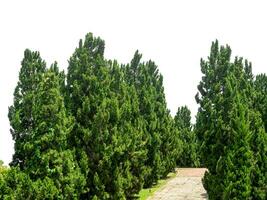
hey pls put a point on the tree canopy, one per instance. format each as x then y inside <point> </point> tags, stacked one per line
<point>229,128</point>
<point>103,130</point>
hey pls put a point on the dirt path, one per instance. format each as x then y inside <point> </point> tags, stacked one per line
<point>186,185</point>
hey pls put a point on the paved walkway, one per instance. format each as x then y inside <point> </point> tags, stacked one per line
<point>186,185</point>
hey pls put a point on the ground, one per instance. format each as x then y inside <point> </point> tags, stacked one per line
<point>186,185</point>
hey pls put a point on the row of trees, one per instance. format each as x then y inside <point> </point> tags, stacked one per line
<point>231,127</point>
<point>103,130</point>
<point>100,131</point>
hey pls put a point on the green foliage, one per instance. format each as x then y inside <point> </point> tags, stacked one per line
<point>108,130</point>
<point>260,85</point>
<point>103,130</point>
<point>259,148</point>
<point>47,163</point>
<point>189,156</point>
<point>2,167</point>
<point>15,185</point>
<point>229,128</point>
<point>51,157</point>
<point>162,142</point>
<point>18,186</point>
<point>236,166</point>
<point>20,113</point>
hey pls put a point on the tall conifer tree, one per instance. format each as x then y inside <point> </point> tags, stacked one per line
<point>20,113</point>
<point>50,155</point>
<point>49,170</point>
<point>189,156</point>
<point>107,136</point>
<point>260,85</point>
<point>162,142</point>
<point>225,117</point>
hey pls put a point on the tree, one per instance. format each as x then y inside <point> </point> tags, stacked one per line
<point>48,146</point>
<point>259,137</point>
<point>258,144</point>
<point>162,140</point>
<point>189,156</point>
<point>50,170</point>
<point>260,85</point>
<point>3,171</point>
<point>2,167</point>
<point>62,78</point>
<point>20,113</point>
<point>87,83</point>
<point>130,126</point>
<point>225,129</point>
<point>108,132</point>
<point>17,185</point>
<point>235,167</point>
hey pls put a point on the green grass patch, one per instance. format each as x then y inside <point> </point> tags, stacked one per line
<point>145,193</point>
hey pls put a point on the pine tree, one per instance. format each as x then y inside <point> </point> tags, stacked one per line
<point>2,167</point>
<point>235,167</point>
<point>20,113</point>
<point>259,148</point>
<point>130,126</point>
<point>260,85</point>
<point>226,130</point>
<point>83,94</point>
<point>17,185</point>
<point>62,77</point>
<point>108,131</point>
<point>87,85</point>
<point>189,156</point>
<point>258,141</point>
<point>50,155</point>
<point>162,139</point>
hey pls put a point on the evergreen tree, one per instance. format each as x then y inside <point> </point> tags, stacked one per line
<point>162,140</point>
<point>62,77</point>
<point>234,168</point>
<point>108,132</point>
<point>49,170</point>
<point>259,148</point>
<point>2,167</point>
<point>260,85</point>
<point>87,85</point>
<point>50,155</point>
<point>225,129</point>
<point>189,156</point>
<point>130,125</point>
<point>17,185</point>
<point>20,113</point>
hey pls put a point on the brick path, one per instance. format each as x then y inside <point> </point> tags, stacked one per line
<point>186,185</point>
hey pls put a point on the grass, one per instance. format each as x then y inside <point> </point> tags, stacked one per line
<point>145,193</point>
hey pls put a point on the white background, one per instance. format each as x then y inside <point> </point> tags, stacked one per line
<point>175,34</point>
